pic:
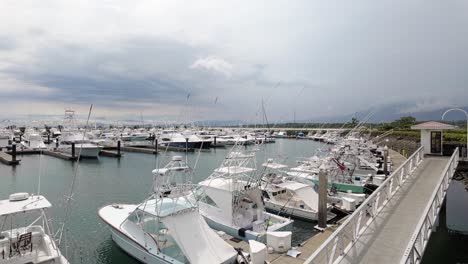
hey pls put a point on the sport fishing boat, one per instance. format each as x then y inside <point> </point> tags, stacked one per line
<point>287,197</point>
<point>83,144</point>
<point>72,136</point>
<point>30,244</point>
<point>230,199</point>
<point>167,227</point>
<point>33,140</point>
<point>171,138</point>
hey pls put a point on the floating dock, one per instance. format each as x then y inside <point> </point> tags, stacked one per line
<point>60,155</point>
<point>8,159</point>
<point>110,153</point>
<point>140,150</point>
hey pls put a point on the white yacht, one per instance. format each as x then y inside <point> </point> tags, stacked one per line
<point>135,136</point>
<point>281,134</point>
<point>30,244</point>
<point>172,138</point>
<point>33,140</point>
<point>289,198</point>
<point>167,227</point>
<point>230,199</point>
<point>192,137</point>
<point>83,145</point>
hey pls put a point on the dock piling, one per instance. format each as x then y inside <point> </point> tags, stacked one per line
<point>73,149</point>
<point>13,152</point>
<point>155,145</point>
<point>322,212</point>
<point>385,168</point>
<point>118,148</point>
<point>215,140</point>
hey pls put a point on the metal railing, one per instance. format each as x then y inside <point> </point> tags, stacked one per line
<point>416,246</point>
<point>342,240</point>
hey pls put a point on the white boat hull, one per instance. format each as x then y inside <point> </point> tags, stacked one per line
<point>295,212</point>
<point>290,211</point>
<point>249,235</point>
<point>136,251</point>
<point>86,151</point>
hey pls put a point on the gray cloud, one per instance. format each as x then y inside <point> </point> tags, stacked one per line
<point>329,59</point>
<point>7,43</point>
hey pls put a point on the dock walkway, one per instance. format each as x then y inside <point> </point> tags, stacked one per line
<point>7,159</point>
<point>387,237</point>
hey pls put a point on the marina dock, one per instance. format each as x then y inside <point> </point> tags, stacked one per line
<point>395,222</point>
<point>8,159</point>
<point>308,247</point>
<point>110,153</point>
<point>59,155</point>
<point>140,150</point>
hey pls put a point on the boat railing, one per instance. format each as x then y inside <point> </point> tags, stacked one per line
<point>416,246</point>
<point>342,240</point>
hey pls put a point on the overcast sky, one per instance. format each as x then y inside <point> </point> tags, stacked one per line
<point>207,60</point>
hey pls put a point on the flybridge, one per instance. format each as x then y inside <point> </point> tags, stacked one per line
<point>17,205</point>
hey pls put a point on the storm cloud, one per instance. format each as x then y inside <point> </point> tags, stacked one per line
<point>314,58</point>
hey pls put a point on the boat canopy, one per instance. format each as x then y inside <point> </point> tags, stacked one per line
<point>165,206</point>
<point>274,166</point>
<point>293,186</point>
<point>163,171</point>
<point>305,192</point>
<point>299,174</point>
<point>234,170</point>
<point>36,202</point>
<point>197,241</point>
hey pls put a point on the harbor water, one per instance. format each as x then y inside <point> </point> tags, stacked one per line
<point>448,244</point>
<point>125,180</point>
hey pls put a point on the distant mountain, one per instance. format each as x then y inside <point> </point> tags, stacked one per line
<point>393,112</point>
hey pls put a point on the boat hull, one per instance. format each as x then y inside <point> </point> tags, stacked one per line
<point>135,250</point>
<point>249,235</point>
<point>190,145</point>
<point>289,211</point>
<point>344,187</point>
<point>295,213</point>
<point>86,152</point>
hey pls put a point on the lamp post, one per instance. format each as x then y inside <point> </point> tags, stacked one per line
<point>466,114</point>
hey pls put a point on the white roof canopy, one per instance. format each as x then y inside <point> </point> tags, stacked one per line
<point>234,169</point>
<point>293,186</point>
<point>35,202</point>
<point>163,171</point>
<point>274,166</point>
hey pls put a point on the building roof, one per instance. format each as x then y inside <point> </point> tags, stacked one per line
<point>432,125</point>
